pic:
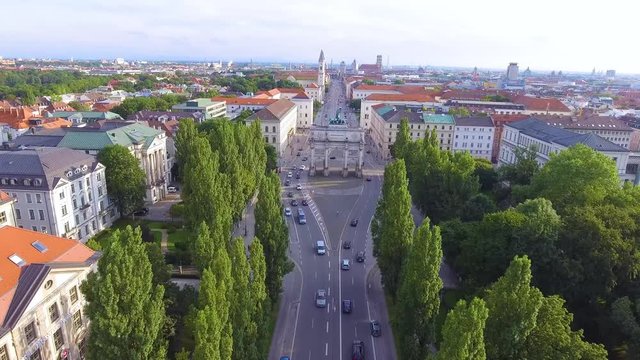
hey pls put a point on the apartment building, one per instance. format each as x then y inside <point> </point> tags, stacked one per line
<point>475,135</point>
<point>278,122</point>
<point>42,311</point>
<point>607,127</point>
<point>57,191</point>
<point>547,139</point>
<point>423,101</point>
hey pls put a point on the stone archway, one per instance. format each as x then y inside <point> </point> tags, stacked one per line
<point>325,140</point>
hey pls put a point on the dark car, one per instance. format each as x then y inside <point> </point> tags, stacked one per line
<point>346,244</point>
<point>357,350</point>
<point>354,222</point>
<point>332,157</point>
<point>289,194</point>
<point>287,182</point>
<point>294,202</point>
<point>375,328</point>
<point>298,176</point>
<point>304,202</point>
<point>347,306</point>
<point>142,212</point>
<point>368,179</point>
<point>360,256</point>
<point>304,158</point>
<point>299,153</point>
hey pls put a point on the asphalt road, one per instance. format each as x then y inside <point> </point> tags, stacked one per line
<point>304,331</point>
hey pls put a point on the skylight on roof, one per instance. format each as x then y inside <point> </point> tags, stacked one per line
<point>39,246</point>
<point>17,260</point>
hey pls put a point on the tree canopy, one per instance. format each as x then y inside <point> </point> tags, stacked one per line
<point>125,179</point>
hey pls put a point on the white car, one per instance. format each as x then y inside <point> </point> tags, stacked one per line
<point>302,167</point>
<point>298,187</point>
<point>172,189</point>
<point>289,174</point>
<point>287,212</point>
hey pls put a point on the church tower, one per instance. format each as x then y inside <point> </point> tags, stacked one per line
<point>321,76</point>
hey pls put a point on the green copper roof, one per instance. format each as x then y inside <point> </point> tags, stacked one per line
<point>98,139</point>
<point>438,118</point>
<point>89,115</point>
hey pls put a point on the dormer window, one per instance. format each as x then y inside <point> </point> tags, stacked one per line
<point>26,182</point>
<point>17,260</point>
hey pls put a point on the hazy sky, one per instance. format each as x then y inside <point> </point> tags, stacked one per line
<point>543,34</point>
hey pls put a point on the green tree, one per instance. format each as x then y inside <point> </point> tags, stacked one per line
<point>418,298</point>
<point>273,233</point>
<point>272,157</point>
<point>624,316</point>
<point>259,306</point>
<point>524,169</point>
<point>392,226</point>
<point>463,332</point>
<point>212,329</point>
<point>241,304</point>
<point>78,106</point>
<point>513,309</point>
<point>460,111</point>
<point>477,206</point>
<point>487,175</point>
<point>161,271</point>
<point>127,311</point>
<point>401,145</point>
<point>125,179</point>
<point>576,176</point>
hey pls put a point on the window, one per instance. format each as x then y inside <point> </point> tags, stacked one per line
<point>3,218</point>
<point>32,214</point>
<point>67,228</point>
<point>30,332</point>
<point>273,128</point>
<point>75,204</point>
<point>93,225</point>
<point>43,229</point>
<point>266,129</point>
<point>18,216</point>
<point>88,183</point>
<point>90,196</point>
<point>54,314</point>
<point>73,189</point>
<point>29,200</point>
<point>80,184</point>
<point>99,176</point>
<point>3,353</point>
<point>41,213</point>
<point>64,210</point>
<point>39,198</point>
<point>273,139</point>
<point>73,295</point>
<point>35,355</point>
<point>77,219</point>
<point>77,321</point>
<point>61,195</point>
<point>58,341</point>
<point>99,190</point>
<point>34,228</point>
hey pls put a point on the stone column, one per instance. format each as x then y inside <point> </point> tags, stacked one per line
<point>326,161</point>
<point>360,161</point>
<point>312,167</point>
<point>345,167</point>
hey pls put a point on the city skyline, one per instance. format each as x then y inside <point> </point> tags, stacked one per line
<point>487,35</point>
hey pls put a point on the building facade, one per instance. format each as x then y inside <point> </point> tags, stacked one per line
<point>422,101</point>
<point>7,210</point>
<point>545,139</point>
<point>43,308</point>
<point>57,191</point>
<point>278,122</point>
<point>474,135</point>
<point>210,109</point>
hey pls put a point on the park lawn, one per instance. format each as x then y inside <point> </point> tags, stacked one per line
<point>179,236</point>
<point>155,226</point>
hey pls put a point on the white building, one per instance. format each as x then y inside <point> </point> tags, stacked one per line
<point>7,210</point>
<point>42,312</point>
<point>57,191</point>
<point>546,139</point>
<point>210,109</point>
<point>474,135</point>
<point>278,122</point>
<point>410,100</point>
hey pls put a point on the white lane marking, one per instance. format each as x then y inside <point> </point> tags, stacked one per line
<point>316,275</point>
<point>326,349</point>
<point>312,321</point>
<point>329,276</point>
<point>329,292</point>
<point>327,326</point>
<point>328,308</point>
<point>329,264</point>
<point>352,281</point>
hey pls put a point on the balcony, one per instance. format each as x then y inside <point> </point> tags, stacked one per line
<point>85,206</point>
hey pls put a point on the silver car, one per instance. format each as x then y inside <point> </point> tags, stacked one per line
<point>321,298</point>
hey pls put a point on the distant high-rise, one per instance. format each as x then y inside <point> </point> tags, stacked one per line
<point>379,62</point>
<point>512,71</point>
<point>611,74</point>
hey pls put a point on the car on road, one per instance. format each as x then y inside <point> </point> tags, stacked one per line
<point>320,247</point>
<point>347,306</point>
<point>298,176</point>
<point>368,179</point>
<point>357,350</point>
<point>298,187</point>
<point>321,298</point>
<point>354,222</point>
<point>287,212</point>
<point>289,174</point>
<point>304,202</point>
<point>285,358</point>
<point>142,212</point>
<point>345,264</point>
<point>294,202</point>
<point>290,194</point>
<point>304,158</point>
<point>332,157</point>
<point>302,167</point>
<point>360,256</point>
<point>172,189</point>
<point>299,153</point>
<point>287,182</point>
<point>375,328</point>
<point>346,244</point>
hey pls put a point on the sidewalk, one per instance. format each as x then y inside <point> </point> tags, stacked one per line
<point>245,228</point>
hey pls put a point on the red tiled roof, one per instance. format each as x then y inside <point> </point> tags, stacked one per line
<point>245,101</point>
<point>300,75</point>
<point>400,97</point>
<point>15,241</point>
<point>4,197</point>
<point>540,104</point>
<point>366,87</point>
<point>290,90</point>
<point>312,86</point>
